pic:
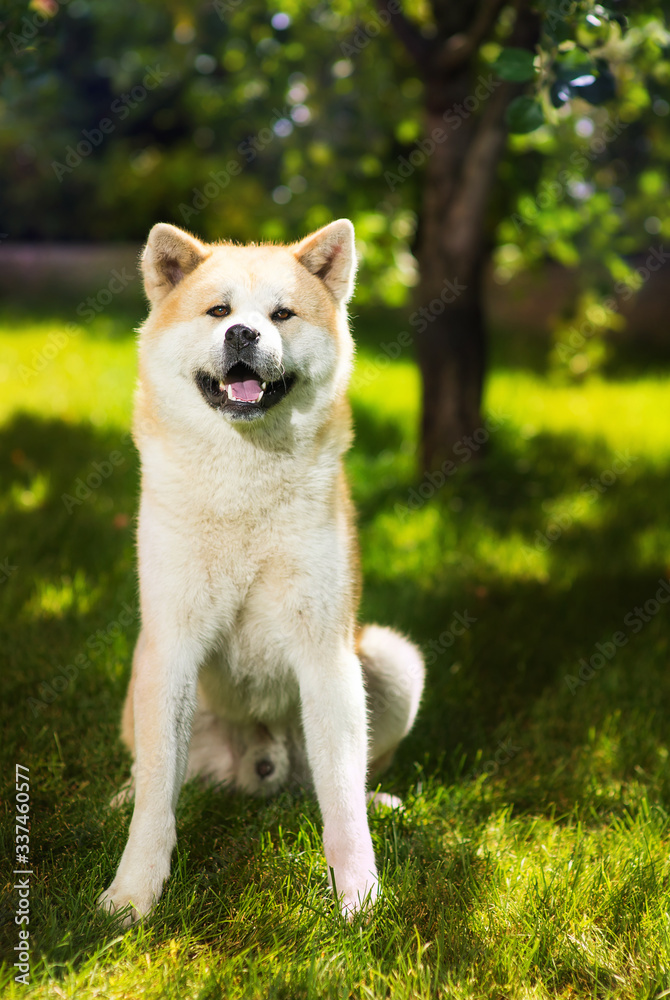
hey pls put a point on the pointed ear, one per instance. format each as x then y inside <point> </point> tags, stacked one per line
<point>170,254</point>
<point>330,254</point>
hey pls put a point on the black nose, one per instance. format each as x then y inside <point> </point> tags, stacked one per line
<point>241,336</point>
<point>264,768</point>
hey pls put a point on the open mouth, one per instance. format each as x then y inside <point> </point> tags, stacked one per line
<point>242,392</point>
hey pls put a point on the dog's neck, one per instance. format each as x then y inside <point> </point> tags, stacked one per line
<point>235,468</point>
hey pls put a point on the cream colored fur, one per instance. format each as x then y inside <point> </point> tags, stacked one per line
<point>249,669</point>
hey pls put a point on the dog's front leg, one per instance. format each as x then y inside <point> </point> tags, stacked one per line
<point>164,697</point>
<point>335,726</point>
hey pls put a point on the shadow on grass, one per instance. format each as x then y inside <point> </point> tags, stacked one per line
<point>75,570</point>
<point>533,628</point>
<point>68,507</point>
<point>70,573</point>
<point>59,306</point>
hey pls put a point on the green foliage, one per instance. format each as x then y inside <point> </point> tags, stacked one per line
<point>258,128</point>
<point>577,43</point>
<point>591,182</point>
<point>586,80</point>
<point>515,65</point>
<point>523,114</point>
<point>268,126</point>
<point>531,859</point>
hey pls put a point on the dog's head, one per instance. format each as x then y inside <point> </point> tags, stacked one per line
<point>247,331</point>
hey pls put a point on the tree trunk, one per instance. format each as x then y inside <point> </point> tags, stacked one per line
<point>451,352</point>
<point>460,172</point>
<point>451,337</point>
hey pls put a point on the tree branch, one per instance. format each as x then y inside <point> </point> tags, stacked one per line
<point>463,225</point>
<point>466,215</point>
<point>458,48</point>
<point>421,49</point>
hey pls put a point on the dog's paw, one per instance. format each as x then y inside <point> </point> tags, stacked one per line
<point>118,905</point>
<point>129,907</point>
<point>382,800</point>
<point>359,898</point>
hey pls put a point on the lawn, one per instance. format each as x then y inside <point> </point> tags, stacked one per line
<point>531,858</point>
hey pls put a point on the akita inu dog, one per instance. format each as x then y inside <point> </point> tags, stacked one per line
<point>250,668</point>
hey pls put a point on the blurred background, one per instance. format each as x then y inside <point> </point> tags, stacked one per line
<point>506,168</point>
<point>518,151</point>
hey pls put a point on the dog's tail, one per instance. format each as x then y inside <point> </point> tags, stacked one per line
<point>394,672</point>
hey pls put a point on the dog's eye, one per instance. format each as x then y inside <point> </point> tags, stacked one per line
<point>219,311</point>
<point>282,314</point>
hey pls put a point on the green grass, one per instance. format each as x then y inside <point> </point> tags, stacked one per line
<point>542,873</point>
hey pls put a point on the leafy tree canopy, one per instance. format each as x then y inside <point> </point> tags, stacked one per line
<point>252,119</point>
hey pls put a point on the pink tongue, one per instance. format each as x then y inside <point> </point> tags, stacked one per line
<point>246,391</point>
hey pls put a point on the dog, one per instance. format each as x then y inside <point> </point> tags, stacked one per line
<point>250,669</point>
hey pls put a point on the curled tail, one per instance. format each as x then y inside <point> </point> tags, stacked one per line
<point>393,671</point>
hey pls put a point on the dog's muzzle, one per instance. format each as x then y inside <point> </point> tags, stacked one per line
<point>248,384</point>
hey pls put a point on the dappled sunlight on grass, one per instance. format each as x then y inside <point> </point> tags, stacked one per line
<point>50,599</point>
<point>508,557</point>
<point>630,415</point>
<point>30,495</point>
<point>415,548</point>
<point>532,847</point>
<point>77,374</point>
<point>390,392</point>
<point>653,546</point>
